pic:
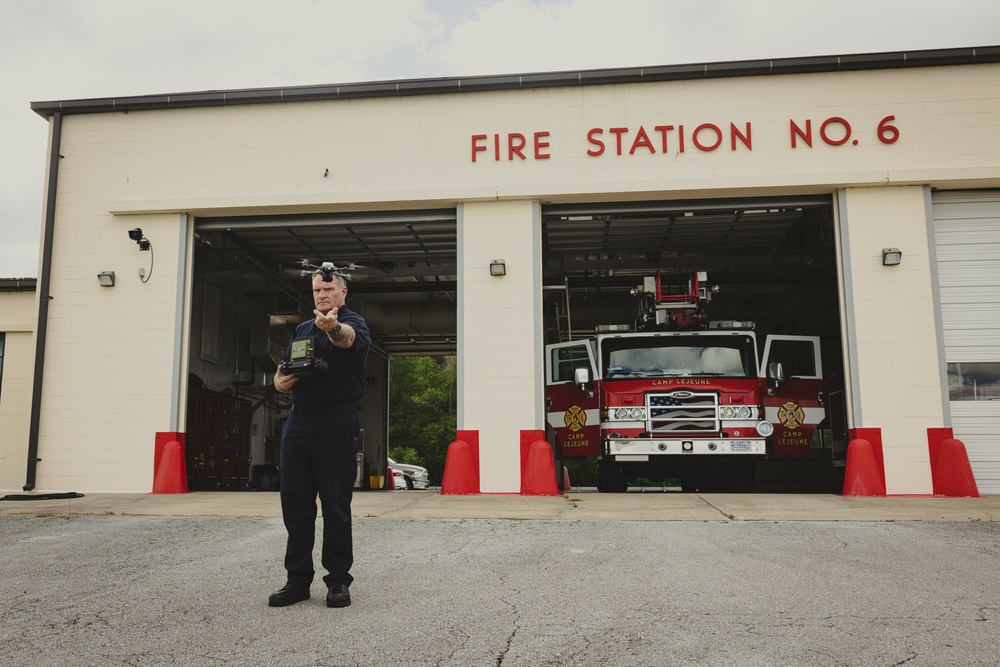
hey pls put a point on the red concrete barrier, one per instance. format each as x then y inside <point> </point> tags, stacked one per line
<point>461,474</point>
<point>171,473</point>
<point>952,473</point>
<point>862,476</point>
<point>538,475</point>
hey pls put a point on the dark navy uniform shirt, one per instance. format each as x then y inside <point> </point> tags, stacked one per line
<point>344,382</point>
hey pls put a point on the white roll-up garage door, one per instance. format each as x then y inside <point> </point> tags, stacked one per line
<point>967,238</point>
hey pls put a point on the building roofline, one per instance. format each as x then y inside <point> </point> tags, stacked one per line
<point>18,284</point>
<point>451,85</point>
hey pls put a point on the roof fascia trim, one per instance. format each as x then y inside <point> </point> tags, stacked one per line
<point>451,85</point>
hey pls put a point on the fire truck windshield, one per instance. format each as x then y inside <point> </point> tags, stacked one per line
<point>678,356</point>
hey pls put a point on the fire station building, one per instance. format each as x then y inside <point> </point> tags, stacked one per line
<point>852,198</point>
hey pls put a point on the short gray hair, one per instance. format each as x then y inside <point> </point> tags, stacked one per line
<point>341,280</point>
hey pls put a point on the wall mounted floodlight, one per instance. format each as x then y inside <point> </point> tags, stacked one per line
<point>106,278</point>
<point>498,267</point>
<point>136,235</point>
<point>891,256</point>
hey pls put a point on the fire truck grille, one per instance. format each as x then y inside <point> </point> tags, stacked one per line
<point>683,412</point>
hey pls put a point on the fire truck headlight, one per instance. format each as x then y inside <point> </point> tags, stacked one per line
<point>765,428</point>
<point>621,413</point>
<point>637,414</point>
<point>744,412</point>
<point>728,412</point>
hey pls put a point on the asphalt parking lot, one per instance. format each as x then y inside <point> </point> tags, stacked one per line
<point>582,579</point>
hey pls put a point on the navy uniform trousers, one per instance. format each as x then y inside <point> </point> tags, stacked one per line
<point>318,456</point>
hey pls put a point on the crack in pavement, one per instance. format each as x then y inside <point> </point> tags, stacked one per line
<point>715,507</point>
<point>510,638</point>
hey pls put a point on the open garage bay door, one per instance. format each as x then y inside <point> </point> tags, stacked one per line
<point>247,295</point>
<point>967,241</point>
<point>774,261</point>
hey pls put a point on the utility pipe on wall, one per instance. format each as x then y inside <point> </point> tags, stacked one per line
<point>41,327</point>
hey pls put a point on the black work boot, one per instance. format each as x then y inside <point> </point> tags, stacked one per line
<point>289,594</point>
<point>338,596</point>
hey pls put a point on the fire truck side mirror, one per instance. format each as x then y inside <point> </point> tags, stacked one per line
<point>581,378</point>
<point>775,374</point>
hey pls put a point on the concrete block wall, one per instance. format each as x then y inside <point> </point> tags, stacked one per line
<point>895,332</point>
<point>499,323</point>
<point>109,363</point>
<point>17,323</point>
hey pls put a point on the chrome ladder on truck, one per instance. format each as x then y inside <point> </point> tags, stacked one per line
<point>564,324</point>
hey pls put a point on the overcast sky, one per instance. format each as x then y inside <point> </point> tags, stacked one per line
<point>73,49</point>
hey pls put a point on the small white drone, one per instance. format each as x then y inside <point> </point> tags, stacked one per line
<point>328,270</point>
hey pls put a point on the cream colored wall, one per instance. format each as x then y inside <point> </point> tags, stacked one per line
<point>109,353</point>
<point>373,153</point>
<point>107,393</point>
<point>18,312</point>
<point>899,379</point>
<point>499,326</point>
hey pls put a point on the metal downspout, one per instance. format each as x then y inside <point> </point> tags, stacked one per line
<point>41,326</point>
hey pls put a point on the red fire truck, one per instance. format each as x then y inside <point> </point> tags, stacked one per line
<point>674,396</point>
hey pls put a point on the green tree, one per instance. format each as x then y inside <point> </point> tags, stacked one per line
<point>422,411</point>
<point>407,455</point>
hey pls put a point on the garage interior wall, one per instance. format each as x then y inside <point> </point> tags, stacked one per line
<point>17,324</point>
<point>499,319</point>
<point>895,330</point>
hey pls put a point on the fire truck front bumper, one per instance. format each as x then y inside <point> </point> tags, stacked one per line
<point>641,449</point>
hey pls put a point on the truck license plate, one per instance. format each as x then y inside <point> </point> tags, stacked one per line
<point>741,445</point>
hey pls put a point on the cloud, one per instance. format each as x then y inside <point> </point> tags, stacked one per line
<point>508,36</point>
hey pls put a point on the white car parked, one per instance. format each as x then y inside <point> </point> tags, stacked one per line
<point>415,476</point>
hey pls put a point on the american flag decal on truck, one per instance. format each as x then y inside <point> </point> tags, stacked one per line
<point>683,412</point>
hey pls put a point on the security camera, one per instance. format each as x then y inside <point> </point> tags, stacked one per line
<point>136,235</point>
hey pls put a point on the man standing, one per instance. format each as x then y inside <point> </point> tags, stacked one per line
<point>319,446</point>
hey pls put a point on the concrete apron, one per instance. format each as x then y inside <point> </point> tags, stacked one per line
<point>574,506</point>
